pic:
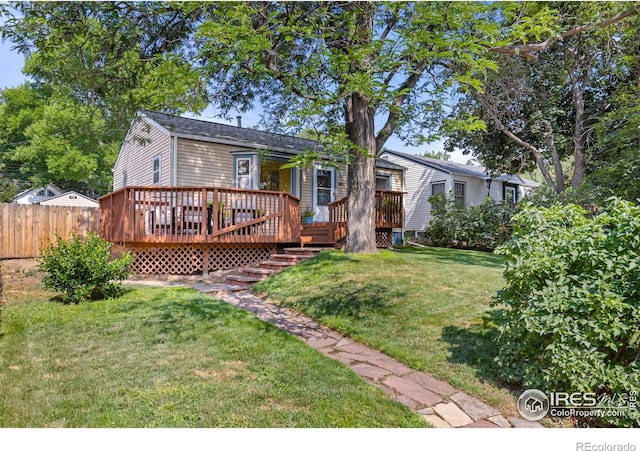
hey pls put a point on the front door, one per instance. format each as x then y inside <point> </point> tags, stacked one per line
<point>324,192</point>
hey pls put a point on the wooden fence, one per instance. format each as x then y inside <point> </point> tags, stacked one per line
<point>26,229</point>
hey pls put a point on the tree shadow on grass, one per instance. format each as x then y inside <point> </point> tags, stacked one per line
<point>110,293</point>
<point>352,299</point>
<point>476,346</point>
<point>448,255</point>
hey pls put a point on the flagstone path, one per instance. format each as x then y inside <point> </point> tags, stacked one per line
<point>438,402</point>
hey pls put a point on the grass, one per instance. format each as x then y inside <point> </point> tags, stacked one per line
<point>172,358</point>
<point>429,308</point>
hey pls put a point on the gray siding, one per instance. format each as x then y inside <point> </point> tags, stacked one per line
<point>203,163</point>
<point>142,144</point>
<point>417,183</point>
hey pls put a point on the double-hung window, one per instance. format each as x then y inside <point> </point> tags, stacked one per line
<point>156,170</point>
<point>243,173</point>
<point>459,189</point>
<point>437,188</point>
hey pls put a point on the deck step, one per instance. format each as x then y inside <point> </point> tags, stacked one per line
<point>271,264</point>
<point>258,271</point>
<point>297,258</point>
<point>303,250</point>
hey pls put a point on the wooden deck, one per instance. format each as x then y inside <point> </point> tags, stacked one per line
<point>188,230</point>
<point>199,215</point>
<point>389,214</point>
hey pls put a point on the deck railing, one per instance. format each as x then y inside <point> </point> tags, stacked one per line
<point>199,215</point>
<point>389,213</point>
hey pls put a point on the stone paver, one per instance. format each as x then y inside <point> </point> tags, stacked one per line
<point>452,414</point>
<point>499,420</point>
<point>431,383</point>
<point>391,365</point>
<point>412,390</point>
<point>474,407</point>
<point>438,402</point>
<point>520,423</point>
<point>370,371</point>
<point>481,424</point>
<point>436,421</point>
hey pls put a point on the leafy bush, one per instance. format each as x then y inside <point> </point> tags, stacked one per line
<point>572,317</point>
<point>484,227</point>
<point>83,269</point>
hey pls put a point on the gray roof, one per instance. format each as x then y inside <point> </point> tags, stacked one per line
<point>444,166</point>
<point>243,136</point>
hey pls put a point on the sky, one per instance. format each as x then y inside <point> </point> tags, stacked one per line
<point>11,75</point>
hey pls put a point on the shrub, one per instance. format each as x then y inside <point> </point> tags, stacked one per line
<point>572,317</point>
<point>484,227</point>
<point>82,269</point>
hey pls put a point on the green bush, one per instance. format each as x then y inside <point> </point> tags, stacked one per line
<point>572,302</point>
<point>483,227</point>
<point>82,269</point>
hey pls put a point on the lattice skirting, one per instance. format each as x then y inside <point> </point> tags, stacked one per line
<point>193,259</point>
<point>384,238</point>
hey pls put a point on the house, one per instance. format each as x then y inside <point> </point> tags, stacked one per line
<point>222,195</point>
<point>70,199</point>
<point>166,150</point>
<point>35,195</point>
<point>467,184</point>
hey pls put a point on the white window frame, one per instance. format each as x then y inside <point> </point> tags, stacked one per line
<point>124,178</point>
<point>239,177</point>
<point>156,172</point>
<point>515,194</point>
<point>460,201</point>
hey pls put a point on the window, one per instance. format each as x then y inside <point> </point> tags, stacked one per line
<point>124,178</point>
<point>459,192</point>
<point>510,195</point>
<point>437,188</point>
<point>275,178</point>
<point>383,182</point>
<point>243,173</point>
<point>156,170</point>
<point>324,186</point>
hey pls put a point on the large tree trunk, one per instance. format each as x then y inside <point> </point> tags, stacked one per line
<point>361,226</point>
<point>359,126</point>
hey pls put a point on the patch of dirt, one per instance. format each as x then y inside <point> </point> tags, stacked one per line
<point>22,280</point>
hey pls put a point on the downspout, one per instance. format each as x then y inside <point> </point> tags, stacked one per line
<point>174,157</point>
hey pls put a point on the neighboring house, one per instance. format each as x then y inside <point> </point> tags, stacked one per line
<point>70,199</point>
<point>166,150</point>
<point>35,195</point>
<point>468,185</point>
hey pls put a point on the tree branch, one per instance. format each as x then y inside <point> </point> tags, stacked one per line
<point>526,50</point>
<point>394,111</point>
<point>537,154</point>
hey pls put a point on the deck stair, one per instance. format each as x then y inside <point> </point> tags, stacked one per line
<point>290,257</point>
<point>317,234</point>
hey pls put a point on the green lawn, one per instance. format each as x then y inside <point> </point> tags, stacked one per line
<point>429,308</point>
<point>174,358</point>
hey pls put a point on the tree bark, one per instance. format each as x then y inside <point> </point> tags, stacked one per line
<point>361,226</point>
<point>577,92</point>
<point>555,158</point>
